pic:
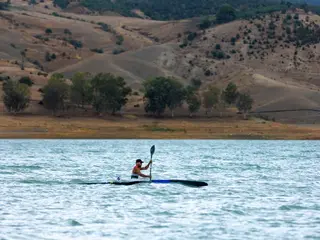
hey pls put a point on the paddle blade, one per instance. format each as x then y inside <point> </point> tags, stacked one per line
<point>152,149</point>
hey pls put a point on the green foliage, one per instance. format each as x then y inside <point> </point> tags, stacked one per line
<point>105,27</point>
<point>230,94</point>
<point>97,50</point>
<point>196,83</point>
<point>118,51</point>
<point>48,31</point>
<point>26,80</point>
<point>244,103</point>
<point>119,40</point>
<point>194,103</point>
<point>218,54</point>
<point>181,9</point>
<point>162,92</point>
<point>80,90</point>
<point>226,14</point>
<point>211,97</point>
<point>205,23</point>
<point>32,2</point>
<point>4,6</point>
<point>61,3</point>
<point>48,57</point>
<point>288,30</point>
<point>16,96</point>
<point>67,31</point>
<point>191,36</point>
<point>55,93</point>
<point>218,47</point>
<point>77,44</point>
<point>109,93</point>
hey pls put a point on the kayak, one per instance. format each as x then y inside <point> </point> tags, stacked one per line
<point>188,183</point>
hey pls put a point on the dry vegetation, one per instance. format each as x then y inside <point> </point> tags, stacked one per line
<point>256,56</point>
<point>131,127</point>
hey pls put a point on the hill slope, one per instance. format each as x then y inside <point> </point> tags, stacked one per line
<point>275,57</point>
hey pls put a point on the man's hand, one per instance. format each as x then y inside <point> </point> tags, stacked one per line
<point>150,161</point>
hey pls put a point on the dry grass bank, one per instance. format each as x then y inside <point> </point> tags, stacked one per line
<point>144,128</point>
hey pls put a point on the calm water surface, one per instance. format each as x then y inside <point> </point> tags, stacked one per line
<point>257,190</point>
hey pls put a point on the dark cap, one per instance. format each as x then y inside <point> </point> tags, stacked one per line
<point>139,160</point>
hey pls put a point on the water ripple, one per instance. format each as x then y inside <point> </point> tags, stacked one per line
<point>257,190</point>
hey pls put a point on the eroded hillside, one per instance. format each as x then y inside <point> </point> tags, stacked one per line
<point>275,57</point>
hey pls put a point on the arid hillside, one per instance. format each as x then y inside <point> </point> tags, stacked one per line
<point>275,58</point>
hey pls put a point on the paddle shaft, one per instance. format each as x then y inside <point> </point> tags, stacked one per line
<point>152,149</point>
<point>151,169</point>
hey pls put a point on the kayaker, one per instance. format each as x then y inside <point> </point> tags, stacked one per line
<point>136,171</point>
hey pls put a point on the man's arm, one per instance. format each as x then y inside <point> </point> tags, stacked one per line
<point>146,167</point>
<point>142,175</point>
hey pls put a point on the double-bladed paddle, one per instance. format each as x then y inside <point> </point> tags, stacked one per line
<point>152,150</point>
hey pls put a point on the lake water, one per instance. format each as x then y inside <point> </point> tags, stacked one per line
<point>257,190</point>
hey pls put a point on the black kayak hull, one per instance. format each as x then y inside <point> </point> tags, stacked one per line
<point>188,183</point>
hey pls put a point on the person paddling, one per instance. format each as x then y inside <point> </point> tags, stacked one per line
<point>136,171</point>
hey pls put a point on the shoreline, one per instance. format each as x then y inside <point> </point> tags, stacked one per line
<point>131,127</point>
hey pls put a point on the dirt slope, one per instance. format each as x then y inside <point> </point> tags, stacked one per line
<point>277,74</point>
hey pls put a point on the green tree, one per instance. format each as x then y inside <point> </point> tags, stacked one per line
<point>61,3</point>
<point>244,103</point>
<point>55,93</point>
<point>32,2</point>
<point>109,93</point>
<point>205,23</point>
<point>176,95</point>
<point>163,92</point>
<point>16,96</point>
<point>196,83</point>
<point>210,98</point>
<point>226,14</point>
<point>23,57</point>
<point>230,94</point>
<point>193,98</point>
<point>80,90</point>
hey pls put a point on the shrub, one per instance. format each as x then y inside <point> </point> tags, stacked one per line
<point>48,31</point>
<point>26,80</point>
<point>97,50</point>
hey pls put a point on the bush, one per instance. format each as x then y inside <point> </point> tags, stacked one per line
<point>120,39</point>
<point>105,27</point>
<point>67,31</point>
<point>48,57</point>
<point>26,80</point>
<point>77,44</point>
<point>48,31</point>
<point>217,54</point>
<point>97,50</point>
<point>118,51</point>
<point>192,36</point>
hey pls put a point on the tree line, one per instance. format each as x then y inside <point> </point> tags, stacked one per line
<point>107,93</point>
